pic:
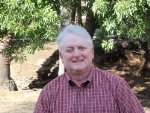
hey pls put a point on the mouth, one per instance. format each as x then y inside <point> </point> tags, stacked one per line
<point>77,61</point>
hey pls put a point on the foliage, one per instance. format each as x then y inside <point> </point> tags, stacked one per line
<point>123,18</point>
<point>108,45</point>
<point>30,23</point>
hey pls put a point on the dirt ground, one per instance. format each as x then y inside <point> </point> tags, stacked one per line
<point>23,101</point>
<point>18,102</point>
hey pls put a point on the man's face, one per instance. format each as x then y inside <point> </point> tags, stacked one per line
<point>76,54</point>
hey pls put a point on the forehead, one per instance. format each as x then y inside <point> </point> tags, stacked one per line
<point>75,40</point>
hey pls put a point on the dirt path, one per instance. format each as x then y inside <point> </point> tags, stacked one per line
<point>18,102</point>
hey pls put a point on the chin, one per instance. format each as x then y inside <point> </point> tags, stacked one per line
<point>79,69</point>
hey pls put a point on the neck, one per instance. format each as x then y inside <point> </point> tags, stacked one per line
<point>79,76</point>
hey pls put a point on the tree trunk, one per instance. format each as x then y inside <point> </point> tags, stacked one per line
<point>146,67</point>
<point>6,82</point>
<point>79,14</point>
<point>90,24</point>
<point>73,12</point>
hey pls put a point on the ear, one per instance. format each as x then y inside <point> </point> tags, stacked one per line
<point>93,53</point>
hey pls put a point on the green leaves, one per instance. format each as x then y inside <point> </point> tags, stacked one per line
<point>108,45</point>
<point>110,25</point>
<point>100,7</point>
<point>28,21</point>
<point>125,8</point>
<point>148,2</point>
<point>122,19</point>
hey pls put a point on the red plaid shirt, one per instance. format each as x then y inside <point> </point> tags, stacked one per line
<point>101,93</point>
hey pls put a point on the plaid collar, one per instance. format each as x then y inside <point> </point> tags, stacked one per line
<point>84,83</point>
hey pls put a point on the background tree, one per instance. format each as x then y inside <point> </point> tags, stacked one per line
<point>125,19</point>
<point>25,26</point>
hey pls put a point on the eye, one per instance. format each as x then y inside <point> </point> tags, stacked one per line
<point>82,48</point>
<point>69,50</point>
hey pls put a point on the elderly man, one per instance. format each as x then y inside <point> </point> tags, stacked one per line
<point>83,88</point>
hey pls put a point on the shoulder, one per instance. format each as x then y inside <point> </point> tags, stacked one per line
<point>108,77</point>
<point>54,84</point>
<point>109,81</point>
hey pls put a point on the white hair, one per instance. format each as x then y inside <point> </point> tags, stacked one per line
<point>77,30</point>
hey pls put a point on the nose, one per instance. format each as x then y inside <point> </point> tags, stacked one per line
<point>76,52</point>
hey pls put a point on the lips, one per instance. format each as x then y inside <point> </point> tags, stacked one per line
<point>78,61</point>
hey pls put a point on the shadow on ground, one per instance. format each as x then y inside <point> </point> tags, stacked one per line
<point>46,72</point>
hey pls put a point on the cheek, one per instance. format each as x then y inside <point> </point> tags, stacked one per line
<point>90,55</point>
<point>65,58</point>
<point>90,58</point>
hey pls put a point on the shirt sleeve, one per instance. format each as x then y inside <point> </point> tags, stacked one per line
<point>126,99</point>
<point>44,103</point>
